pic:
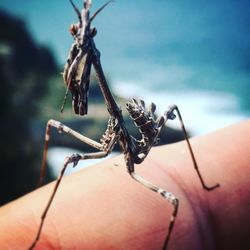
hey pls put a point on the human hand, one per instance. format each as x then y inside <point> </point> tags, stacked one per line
<point>101,207</point>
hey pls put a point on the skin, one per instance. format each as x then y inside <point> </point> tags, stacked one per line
<point>103,208</point>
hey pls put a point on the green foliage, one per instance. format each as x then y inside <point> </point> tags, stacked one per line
<point>25,69</point>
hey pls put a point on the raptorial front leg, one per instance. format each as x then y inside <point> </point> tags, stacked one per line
<point>171,116</point>
<point>61,128</point>
<point>75,158</point>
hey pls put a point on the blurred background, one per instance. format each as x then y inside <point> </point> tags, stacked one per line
<point>193,53</point>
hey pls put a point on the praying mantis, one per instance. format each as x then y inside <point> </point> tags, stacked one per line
<point>82,57</point>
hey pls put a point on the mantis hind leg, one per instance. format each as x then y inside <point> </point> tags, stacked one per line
<point>170,115</point>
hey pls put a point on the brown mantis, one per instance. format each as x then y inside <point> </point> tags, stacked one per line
<point>83,55</point>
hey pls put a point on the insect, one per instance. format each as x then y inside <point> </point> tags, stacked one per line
<point>82,57</point>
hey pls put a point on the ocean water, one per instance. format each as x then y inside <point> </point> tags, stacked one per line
<point>194,54</point>
<point>202,111</point>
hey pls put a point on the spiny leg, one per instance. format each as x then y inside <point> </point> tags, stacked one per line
<point>166,195</point>
<point>72,159</point>
<point>62,129</point>
<point>170,115</point>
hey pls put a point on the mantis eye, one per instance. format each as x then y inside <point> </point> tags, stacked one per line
<point>93,32</point>
<point>73,29</point>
